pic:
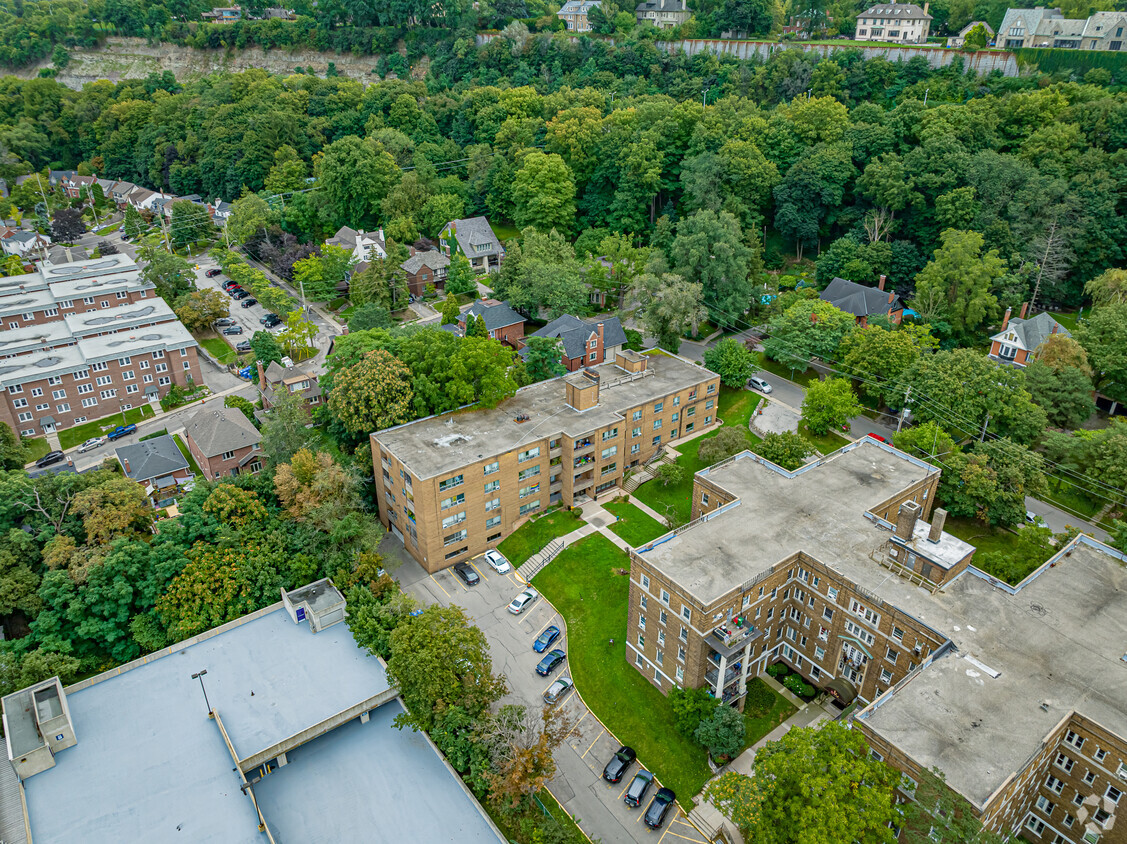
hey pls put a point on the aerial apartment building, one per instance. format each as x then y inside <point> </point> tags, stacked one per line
<point>454,485</point>
<point>86,339</point>
<point>1018,695</point>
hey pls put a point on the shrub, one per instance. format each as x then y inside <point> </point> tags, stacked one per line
<point>777,670</point>
<point>727,442</point>
<point>760,698</point>
<point>690,708</point>
<point>799,686</point>
<point>723,732</point>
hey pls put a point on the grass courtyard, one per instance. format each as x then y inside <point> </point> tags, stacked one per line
<point>219,349</point>
<point>70,437</point>
<point>634,525</point>
<point>532,536</point>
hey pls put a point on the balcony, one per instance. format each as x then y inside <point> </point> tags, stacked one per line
<point>582,482</point>
<point>730,675</point>
<point>583,446</point>
<point>729,638</point>
<point>583,461</point>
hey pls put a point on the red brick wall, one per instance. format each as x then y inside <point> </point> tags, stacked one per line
<point>217,467</point>
<point>511,334</point>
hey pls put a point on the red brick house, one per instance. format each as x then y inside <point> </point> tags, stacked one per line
<point>223,442</point>
<point>863,302</point>
<point>502,322</point>
<point>1019,338</point>
<point>425,268</point>
<point>585,343</point>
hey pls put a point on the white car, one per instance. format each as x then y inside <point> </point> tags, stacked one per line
<point>520,602</point>
<point>757,383</point>
<point>497,560</point>
<point>91,444</point>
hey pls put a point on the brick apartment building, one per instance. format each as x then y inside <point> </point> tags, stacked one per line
<point>1015,694</point>
<point>84,340</point>
<point>452,486</point>
<point>223,442</point>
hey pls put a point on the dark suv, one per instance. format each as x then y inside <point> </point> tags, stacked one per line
<point>619,764</point>
<point>655,814</point>
<point>550,662</point>
<point>638,788</point>
<point>270,320</point>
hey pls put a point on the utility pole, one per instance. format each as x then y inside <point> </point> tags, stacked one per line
<point>985,422</point>
<point>903,411</point>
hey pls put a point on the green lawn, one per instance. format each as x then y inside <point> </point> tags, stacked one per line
<point>70,437</point>
<point>583,584</point>
<point>531,537</point>
<point>760,723</point>
<point>735,408</point>
<point>1068,320</point>
<point>505,232</point>
<point>634,525</point>
<point>983,537</point>
<point>180,444</point>
<point>36,448</point>
<point>825,443</point>
<point>803,377</point>
<point>219,348</point>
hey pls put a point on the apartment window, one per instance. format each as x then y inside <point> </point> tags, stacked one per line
<point>658,406</point>
<point>692,411</point>
<point>660,658</point>
<point>641,622</point>
<point>492,486</point>
<point>636,432</point>
<point>108,394</point>
<point>1113,794</point>
<point>454,537</point>
<point>15,389</point>
<point>645,581</point>
<point>530,472</point>
<point>637,415</point>
<point>492,522</point>
<point>90,402</point>
<point>680,653</point>
<point>187,365</point>
<point>609,435</point>
<point>860,632</point>
<point>531,489</point>
<point>121,294</point>
<point>897,634</point>
<point>665,597</point>
<point>158,354</point>
<point>634,449</point>
<point>674,417</point>
<point>13,325</point>
<point>41,407</point>
<point>228,455</point>
<point>819,653</point>
<point>490,468</point>
<point>162,367</point>
<point>58,394</point>
<point>641,641</point>
<point>453,501</point>
<point>18,403</point>
<point>124,361</point>
<point>1089,777</point>
<point>450,483</point>
<point>708,404</point>
<point>1074,739</point>
<point>530,506</point>
<point>1053,784</point>
<point>531,454</point>
<point>657,424</point>
<point>656,440</point>
<point>885,676</point>
<point>638,661</point>
<point>608,469</point>
<point>684,634</point>
<point>1044,804</point>
<point>51,312</point>
<point>144,364</point>
<point>26,416</point>
<point>686,613</point>
<point>455,519</point>
<point>1100,754</point>
<point>1065,762</point>
<point>831,593</point>
<point>680,674</point>
<point>610,452</point>
<point>1035,825</point>
<point>861,611</point>
<point>663,617</point>
<point>127,375</point>
<point>891,656</point>
<point>827,614</point>
<point>456,553</point>
<point>492,504</point>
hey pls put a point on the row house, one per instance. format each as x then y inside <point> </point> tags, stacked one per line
<point>452,486</point>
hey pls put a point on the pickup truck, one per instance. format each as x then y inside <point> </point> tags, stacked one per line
<point>120,431</point>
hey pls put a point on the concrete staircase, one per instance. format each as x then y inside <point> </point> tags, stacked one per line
<point>531,567</point>
<point>649,470</point>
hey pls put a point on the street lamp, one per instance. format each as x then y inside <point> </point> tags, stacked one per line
<point>199,676</point>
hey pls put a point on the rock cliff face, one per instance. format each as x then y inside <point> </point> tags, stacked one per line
<point>135,58</point>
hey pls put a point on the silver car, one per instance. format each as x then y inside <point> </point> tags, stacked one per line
<point>498,562</point>
<point>557,690</point>
<point>521,602</point>
<point>757,383</point>
<point>91,444</point>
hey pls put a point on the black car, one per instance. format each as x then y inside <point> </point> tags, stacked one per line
<point>248,302</point>
<point>550,662</point>
<point>238,293</point>
<point>233,329</point>
<point>270,320</point>
<point>638,788</point>
<point>619,764</point>
<point>49,458</point>
<point>212,273</point>
<point>655,814</point>
<point>244,346</point>
<point>466,573</point>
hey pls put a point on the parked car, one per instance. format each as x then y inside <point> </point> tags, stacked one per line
<point>91,444</point>
<point>213,273</point>
<point>244,346</point>
<point>638,788</point>
<point>498,562</point>
<point>238,293</point>
<point>49,458</point>
<point>248,302</point>
<point>229,284</point>
<point>619,764</point>
<point>1033,519</point>
<point>121,431</point>
<point>520,602</point>
<point>270,320</point>
<point>545,639</point>
<point>225,320</point>
<point>876,437</point>
<point>466,574</point>
<point>551,661</point>
<point>655,814</point>
<point>233,329</point>
<point>557,690</point>
<point>757,383</point>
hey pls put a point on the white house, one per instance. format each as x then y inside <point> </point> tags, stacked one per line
<point>364,246</point>
<point>902,23</point>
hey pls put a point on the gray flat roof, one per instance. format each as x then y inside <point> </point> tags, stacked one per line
<point>119,318</point>
<point>26,301</point>
<point>12,284</point>
<point>440,444</point>
<point>819,510</point>
<point>391,786</point>
<point>35,366</point>
<point>149,762</point>
<point>76,288</point>
<point>150,338</point>
<point>45,335</point>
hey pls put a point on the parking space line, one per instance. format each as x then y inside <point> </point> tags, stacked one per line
<point>440,586</point>
<point>586,712</point>
<point>624,789</point>
<point>669,831</point>
<point>588,750</point>
<point>479,571</point>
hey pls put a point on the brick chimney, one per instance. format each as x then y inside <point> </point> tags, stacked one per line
<point>891,296</point>
<point>125,463</point>
<point>602,348</point>
<point>1024,308</point>
<point>938,519</point>
<point>906,520</point>
<point>1055,327</point>
<point>926,5</point>
<point>880,284</point>
<point>261,375</point>
<point>1006,318</point>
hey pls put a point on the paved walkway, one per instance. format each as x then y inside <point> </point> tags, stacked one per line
<point>647,509</point>
<point>775,418</point>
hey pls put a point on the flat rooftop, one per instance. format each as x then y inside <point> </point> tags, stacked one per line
<point>26,301</point>
<point>27,338</point>
<point>392,785</point>
<point>37,365</point>
<point>149,763</point>
<point>119,318</point>
<point>1059,639</point>
<point>149,338</point>
<point>440,444</point>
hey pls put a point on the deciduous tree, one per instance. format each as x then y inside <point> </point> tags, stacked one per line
<point>171,274</point>
<point>786,449</point>
<point>372,394</point>
<point>731,360</point>
<point>709,250</point>
<point>955,285</point>
<point>1104,337</point>
<point>877,356</point>
<point>544,193</point>
<point>671,307</point>
<point>67,225</point>
<point>722,733</point>
<point>829,404</point>
<point>200,309</point>
<point>521,744</point>
<point>543,359</point>
<point>808,328</point>
<point>190,223</point>
<point>286,429</point>
<point>1064,394</point>
<point>460,277</point>
<point>13,453</point>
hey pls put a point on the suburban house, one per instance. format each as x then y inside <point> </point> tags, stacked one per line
<point>863,302</point>
<point>475,239</point>
<point>424,268</point>
<point>25,244</point>
<point>574,14</point>
<point>223,14</point>
<point>585,343</point>
<point>223,442</point>
<point>957,41</point>
<point>158,466</point>
<point>1042,27</point>
<point>664,14</point>
<point>220,211</point>
<point>904,23</point>
<point>74,185</point>
<point>1019,338</point>
<point>363,245</point>
<point>502,322</point>
<point>120,193</point>
<point>292,379</point>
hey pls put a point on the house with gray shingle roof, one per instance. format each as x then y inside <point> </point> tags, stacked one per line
<point>158,466</point>
<point>501,321</point>
<point>276,378</point>
<point>1017,342</point>
<point>224,442</point>
<point>585,343</point>
<point>475,239</point>
<point>425,268</point>
<point>863,302</point>
<point>664,14</point>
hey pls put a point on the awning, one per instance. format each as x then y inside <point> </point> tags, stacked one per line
<point>166,482</point>
<point>47,420</point>
<point>842,689</point>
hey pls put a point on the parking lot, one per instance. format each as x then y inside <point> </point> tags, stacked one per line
<point>578,786</point>
<point>248,318</point>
